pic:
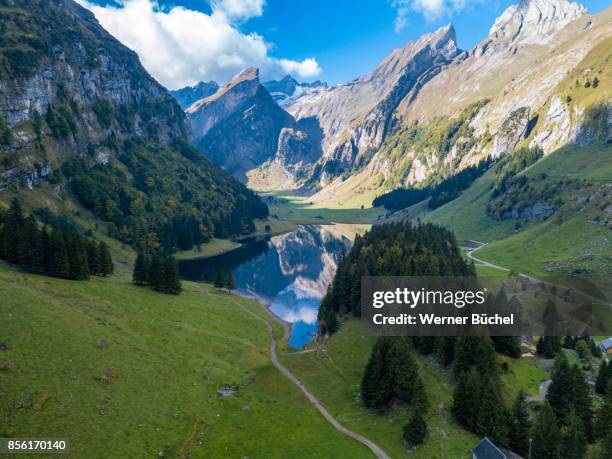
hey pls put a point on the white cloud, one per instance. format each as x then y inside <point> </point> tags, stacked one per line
<point>308,68</point>
<point>431,9</point>
<point>238,9</point>
<point>180,47</point>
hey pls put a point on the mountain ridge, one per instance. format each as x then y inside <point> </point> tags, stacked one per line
<point>84,123</point>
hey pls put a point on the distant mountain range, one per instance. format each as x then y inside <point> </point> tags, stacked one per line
<point>523,85</point>
<point>187,96</point>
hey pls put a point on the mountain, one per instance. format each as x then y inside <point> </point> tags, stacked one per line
<point>286,90</point>
<point>355,117</point>
<point>511,90</point>
<point>427,111</point>
<point>84,126</point>
<point>190,94</point>
<point>241,127</point>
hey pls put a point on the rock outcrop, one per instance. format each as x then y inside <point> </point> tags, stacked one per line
<point>241,127</point>
<point>190,94</point>
<point>356,116</point>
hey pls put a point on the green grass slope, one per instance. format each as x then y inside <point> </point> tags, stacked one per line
<point>574,239</point>
<point>334,376</point>
<point>168,356</point>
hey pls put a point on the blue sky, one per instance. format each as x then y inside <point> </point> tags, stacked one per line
<point>334,41</point>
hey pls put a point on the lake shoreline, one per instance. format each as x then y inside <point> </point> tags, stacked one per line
<point>265,304</point>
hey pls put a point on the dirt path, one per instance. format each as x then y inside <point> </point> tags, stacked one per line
<point>543,390</point>
<point>377,450</point>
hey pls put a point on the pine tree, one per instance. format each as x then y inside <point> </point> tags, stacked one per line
<point>59,265</point>
<point>12,245</point>
<point>546,435</point>
<point>508,345</point>
<point>603,426</point>
<point>33,258</point>
<point>105,262</point>
<point>415,431</point>
<point>559,393</point>
<point>172,283</point>
<point>230,283</point>
<point>574,441</point>
<point>492,420</point>
<point>581,401</point>
<point>475,351</point>
<point>519,426</point>
<point>156,272</point>
<point>466,398</point>
<point>93,258</point>
<point>568,342</point>
<point>603,375</point>
<point>404,374</point>
<point>606,446</point>
<point>140,275</point>
<point>376,385</point>
<point>219,279</point>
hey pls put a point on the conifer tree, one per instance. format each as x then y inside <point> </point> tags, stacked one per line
<point>546,435</point>
<point>573,438</point>
<point>508,345</point>
<point>156,272</point>
<point>603,426</point>
<point>59,265</point>
<point>33,257</point>
<point>230,283</point>
<point>581,401</point>
<point>376,384</point>
<point>172,283</point>
<point>603,375</point>
<point>568,342</point>
<point>404,374</point>
<point>45,250</point>
<point>492,420</point>
<point>466,398</point>
<point>105,262</point>
<point>520,426</point>
<point>415,432</point>
<point>93,258</point>
<point>140,276</point>
<point>606,446</point>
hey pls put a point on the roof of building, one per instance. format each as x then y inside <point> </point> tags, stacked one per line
<point>607,343</point>
<point>486,449</point>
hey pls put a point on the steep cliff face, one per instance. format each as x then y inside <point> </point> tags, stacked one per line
<point>241,128</point>
<point>529,83</point>
<point>355,117</point>
<point>79,110</point>
<point>187,96</point>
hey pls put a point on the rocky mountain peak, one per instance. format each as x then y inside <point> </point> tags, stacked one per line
<point>532,21</point>
<point>242,87</point>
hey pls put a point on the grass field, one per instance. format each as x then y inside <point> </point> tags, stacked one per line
<point>167,356</point>
<point>213,247</point>
<point>570,241</point>
<point>302,209</point>
<point>334,376</point>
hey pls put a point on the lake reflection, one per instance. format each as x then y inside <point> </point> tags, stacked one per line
<point>291,272</point>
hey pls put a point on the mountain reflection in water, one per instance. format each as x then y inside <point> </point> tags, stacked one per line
<point>291,271</point>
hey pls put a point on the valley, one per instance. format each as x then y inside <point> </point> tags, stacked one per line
<point>181,264</point>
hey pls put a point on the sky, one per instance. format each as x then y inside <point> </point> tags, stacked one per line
<point>181,42</point>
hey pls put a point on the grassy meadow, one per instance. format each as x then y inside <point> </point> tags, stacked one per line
<point>152,388</point>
